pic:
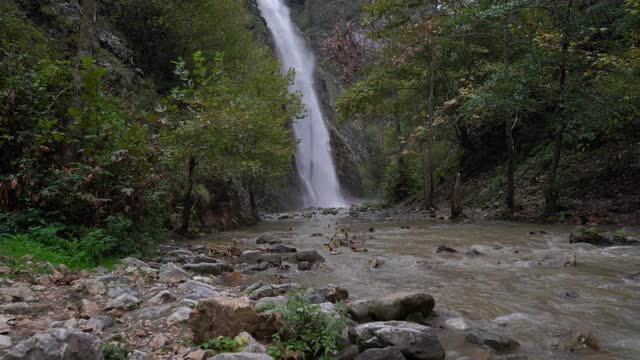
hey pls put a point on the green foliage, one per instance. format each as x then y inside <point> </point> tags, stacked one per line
<point>592,232</point>
<point>305,331</point>
<point>115,351</point>
<point>620,234</point>
<point>224,344</point>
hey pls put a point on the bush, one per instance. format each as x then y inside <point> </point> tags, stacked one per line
<point>305,331</point>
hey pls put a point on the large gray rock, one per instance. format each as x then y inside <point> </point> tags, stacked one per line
<point>17,293</point>
<point>388,353</point>
<point>152,312</point>
<point>241,356</point>
<point>180,315</point>
<point>208,268</point>
<point>250,256</point>
<point>172,274</point>
<point>311,256</point>
<point>58,344</point>
<point>494,341</point>
<point>201,292</point>
<point>396,306</point>
<point>124,302</point>
<point>415,341</point>
<point>267,239</point>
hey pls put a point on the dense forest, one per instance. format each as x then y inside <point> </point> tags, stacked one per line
<point>535,103</point>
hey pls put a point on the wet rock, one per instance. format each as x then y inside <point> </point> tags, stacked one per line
<point>444,248</point>
<point>279,248</point>
<point>473,253</point>
<point>152,312</point>
<point>208,268</point>
<point>57,344</point>
<point>241,356</point>
<point>180,315</point>
<point>334,293</point>
<point>305,266</point>
<point>224,316</point>
<point>172,274</point>
<point>91,286</point>
<point>494,341</point>
<point>131,261</point>
<point>457,324</point>
<point>388,353</point>
<point>249,344</point>
<point>267,239</point>
<point>273,258</point>
<point>250,256</point>
<point>5,341</point>
<point>123,302</point>
<point>392,307</point>
<point>162,297</point>
<point>413,340</point>
<point>579,340</point>
<point>311,256</point>
<point>98,323</point>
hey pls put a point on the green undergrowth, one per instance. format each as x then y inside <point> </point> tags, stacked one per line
<point>305,331</point>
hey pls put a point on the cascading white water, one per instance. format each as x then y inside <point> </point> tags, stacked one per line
<point>313,157</point>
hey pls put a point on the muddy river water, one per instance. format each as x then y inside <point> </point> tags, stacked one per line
<point>518,286</point>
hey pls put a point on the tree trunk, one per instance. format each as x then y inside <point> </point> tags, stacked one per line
<point>550,190</point>
<point>87,28</point>
<point>188,197</point>
<point>456,197</point>
<point>428,181</point>
<point>510,164</point>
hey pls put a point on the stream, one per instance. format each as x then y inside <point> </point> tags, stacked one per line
<point>519,286</point>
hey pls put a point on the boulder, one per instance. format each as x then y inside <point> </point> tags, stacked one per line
<point>58,344</point>
<point>152,312</point>
<point>388,353</point>
<point>267,239</point>
<point>208,268</point>
<point>256,267</point>
<point>241,356</point>
<point>91,286</point>
<point>494,341</point>
<point>190,285</point>
<point>272,258</point>
<point>250,256</point>
<point>131,261</point>
<point>163,297</point>
<point>5,342</point>
<point>305,266</point>
<point>311,256</point>
<point>201,292</point>
<point>180,315</point>
<point>225,316</point>
<point>444,248</point>
<point>170,273</point>
<point>334,293</point>
<point>117,291</point>
<point>413,340</point>
<point>19,308</point>
<point>392,307</point>
<point>124,302</point>
<point>98,323</point>
<point>266,302</point>
<point>17,293</point>
<point>279,248</point>
<point>589,236</point>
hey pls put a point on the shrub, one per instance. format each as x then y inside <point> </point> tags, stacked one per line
<point>305,331</point>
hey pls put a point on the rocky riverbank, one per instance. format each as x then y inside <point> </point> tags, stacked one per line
<point>167,306</point>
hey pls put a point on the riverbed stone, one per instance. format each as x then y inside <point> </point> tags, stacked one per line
<point>266,302</point>
<point>172,274</point>
<point>99,322</point>
<point>152,312</point>
<point>271,258</point>
<point>201,292</point>
<point>334,293</point>
<point>124,302</point>
<point>178,316</point>
<point>494,341</point>
<point>131,261</point>
<point>388,353</point>
<point>446,249</point>
<point>250,256</point>
<point>208,268</point>
<point>18,293</point>
<point>267,239</point>
<point>305,266</point>
<point>280,248</point>
<point>58,344</point>
<point>271,290</point>
<point>392,307</point>
<point>179,252</point>
<point>225,316</point>
<point>163,297</point>
<point>5,341</point>
<point>311,256</point>
<point>413,340</point>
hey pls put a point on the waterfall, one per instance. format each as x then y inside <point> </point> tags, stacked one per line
<point>313,154</point>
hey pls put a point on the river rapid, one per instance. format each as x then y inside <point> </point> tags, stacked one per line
<point>522,284</point>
